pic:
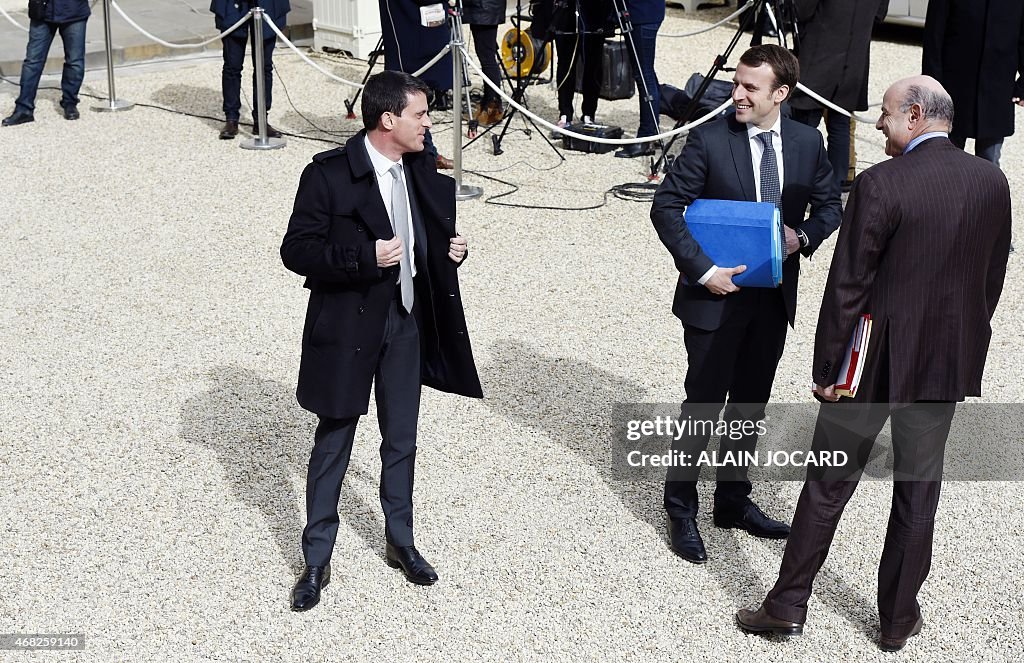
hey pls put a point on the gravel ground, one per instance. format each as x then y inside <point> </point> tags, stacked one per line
<point>153,480</point>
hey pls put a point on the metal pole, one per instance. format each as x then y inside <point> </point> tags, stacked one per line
<point>260,141</point>
<point>462,191</point>
<point>112,103</point>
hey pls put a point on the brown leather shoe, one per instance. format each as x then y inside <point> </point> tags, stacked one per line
<point>490,114</point>
<point>230,130</point>
<point>896,644</point>
<point>759,621</point>
<point>444,163</point>
<point>271,131</point>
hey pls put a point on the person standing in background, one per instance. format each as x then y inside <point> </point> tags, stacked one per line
<point>975,48</point>
<point>834,51</point>
<point>483,18</point>
<point>227,13</point>
<point>47,19</point>
<point>646,17</point>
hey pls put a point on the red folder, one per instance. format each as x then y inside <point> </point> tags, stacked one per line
<point>853,362</point>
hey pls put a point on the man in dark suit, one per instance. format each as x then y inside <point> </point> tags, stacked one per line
<point>227,13</point>
<point>734,338</point>
<point>373,232</point>
<point>923,250</point>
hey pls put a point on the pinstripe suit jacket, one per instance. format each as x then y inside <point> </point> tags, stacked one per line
<point>922,248</point>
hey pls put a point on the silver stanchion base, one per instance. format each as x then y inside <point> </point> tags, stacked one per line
<point>114,106</point>
<point>257,144</point>
<point>467,192</point>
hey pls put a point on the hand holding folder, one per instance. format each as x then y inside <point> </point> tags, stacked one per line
<point>739,232</point>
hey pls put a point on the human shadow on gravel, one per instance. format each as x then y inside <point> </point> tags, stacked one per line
<point>571,401</point>
<point>262,440</point>
<point>196,101</point>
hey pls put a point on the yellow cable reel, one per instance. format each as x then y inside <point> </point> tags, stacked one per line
<point>522,52</point>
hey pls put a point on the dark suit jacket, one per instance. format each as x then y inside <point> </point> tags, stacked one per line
<point>331,240</point>
<point>923,249</point>
<point>716,164</point>
<point>228,12</point>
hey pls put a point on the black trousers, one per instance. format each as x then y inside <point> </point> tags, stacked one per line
<point>575,51</point>
<point>485,43</point>
<point>919,433</point>
<point>397,391</point>
<point>738,360</point>
<point>231,74</point>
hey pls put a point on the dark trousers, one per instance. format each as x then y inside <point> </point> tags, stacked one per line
<point>40,38</point>
<point>397,390</point>
<point>738,360</point>
<point>837,126</point>
<point>643,44</point>
<point>919,433</point>
<point>485,43</point>
<point>231,75</point>
<point>574,52</point>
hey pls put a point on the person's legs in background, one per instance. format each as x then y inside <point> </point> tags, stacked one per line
<point>642,49</point>
<point>231,83</point>
<point>40,36</point>
<point>568,53</point>
<point>73,36</point>
<point>485,42</point>
<point>593,54</point>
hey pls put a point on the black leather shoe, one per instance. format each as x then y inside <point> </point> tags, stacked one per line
<point>16,118</point>
<point>753,520</point>
<point>306,592</point>
<point>71,113</point>
<point>271,131</point>
<point>685,541</point>
<point>415,568</point>
<point>636,150</point>
<point>230,130</point>
<point>896,644</point>
<point>759,621</point>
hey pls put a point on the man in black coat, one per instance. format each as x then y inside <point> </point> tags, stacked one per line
<point>976,51</point>
<point>226,13</point>
<point>834,52</point>
<point>373,232</point>
<point>734,338</point>
<point>47,19</point>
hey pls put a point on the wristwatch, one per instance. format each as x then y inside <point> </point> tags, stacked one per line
<point>802,236</point>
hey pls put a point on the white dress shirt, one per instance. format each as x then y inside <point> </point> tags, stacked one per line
<point>381,168</point>
<point>756,152</point>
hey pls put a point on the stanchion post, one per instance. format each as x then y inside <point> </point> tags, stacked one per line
<point>113,104</point>
<point>462,191</point>
<point>260,141</point>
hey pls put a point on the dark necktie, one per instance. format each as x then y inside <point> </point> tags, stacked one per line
<point>400,217</point>
<point>771,189</point>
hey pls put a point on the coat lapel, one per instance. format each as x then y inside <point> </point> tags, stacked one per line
<point>739,144</point>
<point>371,209</point>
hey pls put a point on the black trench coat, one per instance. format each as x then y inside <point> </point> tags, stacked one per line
<point>338,217</point>
<point>975,48</point>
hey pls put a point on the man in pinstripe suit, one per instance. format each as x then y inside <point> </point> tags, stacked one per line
<point>923,249</point>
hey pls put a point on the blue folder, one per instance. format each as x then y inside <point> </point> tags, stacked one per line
<point>738,232</point>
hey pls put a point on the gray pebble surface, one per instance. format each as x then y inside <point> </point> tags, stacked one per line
<point>153,476</point>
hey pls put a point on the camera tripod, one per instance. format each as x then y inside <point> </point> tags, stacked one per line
<point>782,8</point>
<point>518,90</point>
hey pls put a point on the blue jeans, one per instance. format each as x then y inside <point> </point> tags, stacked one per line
<point>644,37</point>
<point>231,75</point>
<point>989,149</point>
<point>40,37</point>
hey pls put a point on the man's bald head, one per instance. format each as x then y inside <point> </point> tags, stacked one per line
<point>911,107</point>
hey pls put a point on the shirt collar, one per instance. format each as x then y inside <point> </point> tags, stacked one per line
<point>922,138</point>
<point>381,164</point>
<point>753,130</point>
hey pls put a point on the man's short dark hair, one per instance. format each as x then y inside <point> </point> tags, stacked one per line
<point>783,63</point>
<point>388,92</point>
